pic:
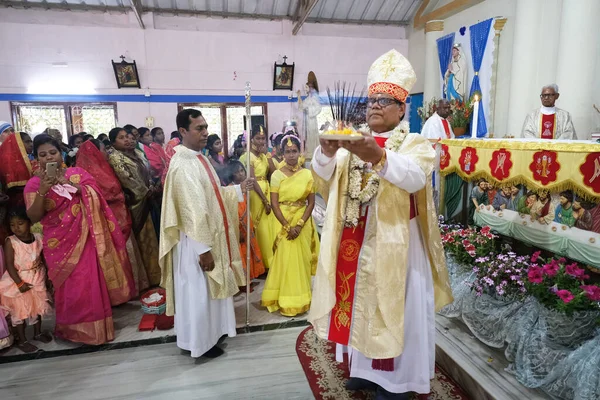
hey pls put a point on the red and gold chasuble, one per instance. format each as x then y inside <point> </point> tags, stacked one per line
<point>346,269</point>
<point>548,126</point>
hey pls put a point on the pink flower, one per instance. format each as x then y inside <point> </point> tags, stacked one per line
<point>562,260</point>
<point>535,274</point>
<point>575,271</point>
<point>551,269</point>
<point>591,291</point>
<point>565,295</point>
<point>535,256</point>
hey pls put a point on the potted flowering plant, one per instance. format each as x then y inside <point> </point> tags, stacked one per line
<point>465,244</point>
<point>427,110</point>
<point>501,276</point>
<point>460,116</point>
<point>570,303</point>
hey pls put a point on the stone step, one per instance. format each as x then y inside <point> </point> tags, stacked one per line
<point>477,368</point>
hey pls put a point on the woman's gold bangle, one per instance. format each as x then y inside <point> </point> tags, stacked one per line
<point>287,228</point>
<point>300,223</point>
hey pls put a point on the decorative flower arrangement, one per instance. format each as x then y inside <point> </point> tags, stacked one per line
<point>461,113</point>
<point>501,275</point>
<point>561,286</point>
<point>427,110</point>
<point>466,244</point>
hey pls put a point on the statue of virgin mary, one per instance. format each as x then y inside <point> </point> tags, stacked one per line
<point>455,79</point>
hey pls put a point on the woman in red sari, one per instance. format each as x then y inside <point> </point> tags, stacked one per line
<point>155,153</point>
<point>15,167</point>
<point>93,158</point>
<point>83,247</point>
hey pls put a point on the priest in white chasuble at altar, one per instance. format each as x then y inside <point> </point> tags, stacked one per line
<point>199,246</point>
<point>437,126</point>
<point>382,271</point>
<point>549,121</point>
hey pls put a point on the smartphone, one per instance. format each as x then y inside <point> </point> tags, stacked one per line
<point>51,169</point>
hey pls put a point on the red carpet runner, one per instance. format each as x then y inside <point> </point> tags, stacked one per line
<point>327,377</point>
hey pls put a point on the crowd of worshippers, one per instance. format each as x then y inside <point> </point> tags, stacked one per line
<point>80,223</point>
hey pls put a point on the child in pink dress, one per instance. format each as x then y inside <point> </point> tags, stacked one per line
<point>23,291</point>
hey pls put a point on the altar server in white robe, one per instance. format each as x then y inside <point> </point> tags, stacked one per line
<point>549,121</point>
<point>382,272</point>
<point>199,250</point>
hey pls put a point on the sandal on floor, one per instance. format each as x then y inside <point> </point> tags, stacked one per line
<point>43,337</point>
<point>27,347</point>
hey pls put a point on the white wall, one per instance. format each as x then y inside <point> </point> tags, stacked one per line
<point>179,56</point>
<point>479,12</point>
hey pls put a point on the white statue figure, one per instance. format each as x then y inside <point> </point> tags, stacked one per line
<point>455,79</point>
<point>311,107</point>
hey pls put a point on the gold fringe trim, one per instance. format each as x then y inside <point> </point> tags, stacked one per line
<point>519,145</point>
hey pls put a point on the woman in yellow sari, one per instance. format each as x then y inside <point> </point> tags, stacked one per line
<point>296,248</point>
<point>261,168</point>
<point>136,182</point>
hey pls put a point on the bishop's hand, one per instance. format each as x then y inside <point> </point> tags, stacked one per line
<point>366,149</point>
<point>329,147</point>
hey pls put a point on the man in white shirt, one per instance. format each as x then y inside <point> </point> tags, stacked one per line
<point>548,121</point>
<point>437,126</point>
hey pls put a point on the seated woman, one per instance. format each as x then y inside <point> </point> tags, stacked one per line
<point>93,158</point>
<point>84,249</point>
<point>261,167</point>
<point>139,192</point>
<point>288,286</point>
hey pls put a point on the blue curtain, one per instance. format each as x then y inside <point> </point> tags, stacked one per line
<point>479,37</point>
<point>444,47</point>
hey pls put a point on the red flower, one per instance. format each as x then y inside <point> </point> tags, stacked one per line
<point>535,274</point>
<point>535,256</point>
<point>551,269</point>
<point>575,271</point>
<point>485,230</point>
<point>565,295</point>
<point>591,291</point>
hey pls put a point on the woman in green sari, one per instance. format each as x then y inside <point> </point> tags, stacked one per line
<point>135,179</point>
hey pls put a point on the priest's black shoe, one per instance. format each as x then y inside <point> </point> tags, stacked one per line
<point>383,394</point>
<point>214,352</point>
<point>360,384</point>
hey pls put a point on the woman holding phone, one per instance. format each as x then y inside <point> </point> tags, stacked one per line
<point>84,250</point>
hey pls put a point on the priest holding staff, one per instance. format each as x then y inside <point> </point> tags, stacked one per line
<point>382,272</point>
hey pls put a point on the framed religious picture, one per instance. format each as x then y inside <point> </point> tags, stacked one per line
<point>126,74</point>
<point>283,76</point>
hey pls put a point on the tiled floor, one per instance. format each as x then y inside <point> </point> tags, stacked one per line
<point>260,365</point>
<point>127,317</point>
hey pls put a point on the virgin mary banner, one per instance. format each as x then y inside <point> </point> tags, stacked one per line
<point>458,72</point>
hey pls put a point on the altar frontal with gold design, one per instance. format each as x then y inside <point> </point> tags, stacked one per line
<point>540,165</point>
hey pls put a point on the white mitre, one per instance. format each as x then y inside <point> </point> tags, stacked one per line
<point>392,74</point>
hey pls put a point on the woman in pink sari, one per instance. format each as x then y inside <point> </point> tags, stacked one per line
<point>83,246</point>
